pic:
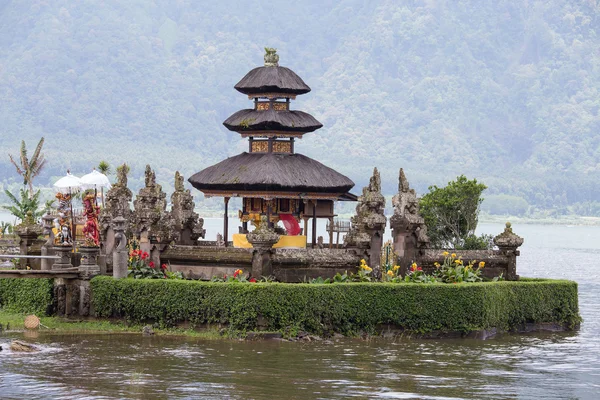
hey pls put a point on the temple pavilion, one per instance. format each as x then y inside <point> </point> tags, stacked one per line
<point>271,178</point>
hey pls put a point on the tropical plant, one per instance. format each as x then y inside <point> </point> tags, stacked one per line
<point>417,275</point>
<point>104,168</point>
<point>454,270</point>
<point>238,276</point>
<point>26,204</point>
<point>29,168</point>
<point>451,213</point>
<point>6,228</point>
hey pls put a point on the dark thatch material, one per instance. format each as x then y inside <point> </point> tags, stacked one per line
<point>272,79</point>
<point>271,172</point>
<point>253,120</point>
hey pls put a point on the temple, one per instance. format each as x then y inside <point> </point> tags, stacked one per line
<point>271,178</point>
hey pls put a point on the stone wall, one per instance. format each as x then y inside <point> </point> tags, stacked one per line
<point>298,265</point>
<point>203,262</point>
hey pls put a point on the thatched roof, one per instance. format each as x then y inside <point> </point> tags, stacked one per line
<point>271,172</point>
<point>272,80</point>
<point>253,120</point>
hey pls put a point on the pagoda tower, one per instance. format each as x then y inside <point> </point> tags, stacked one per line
<point>271,178</point>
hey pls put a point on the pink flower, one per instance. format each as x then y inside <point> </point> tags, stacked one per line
<point>151,264</point>
<point>164,266</point>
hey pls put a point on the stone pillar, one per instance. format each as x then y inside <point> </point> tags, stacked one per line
<point>47,247</point>
<point>508,243</point>
<point>64,252</point>
<point>89,262</point>
<point>28,232</point>
<point>262,240</point>
<point>120,256</point>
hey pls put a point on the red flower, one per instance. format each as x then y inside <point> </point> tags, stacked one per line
<point>151,264</point>
<point>253,280</point>
<point>237,273</point>
<point>419,269</point>
<point>144,255</point>
<point>164,266</point>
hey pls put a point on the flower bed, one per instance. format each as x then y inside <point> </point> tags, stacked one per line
<point>348,308</point>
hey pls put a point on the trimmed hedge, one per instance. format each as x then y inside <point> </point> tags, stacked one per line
<point>346,308</point>
<point>21,295</point>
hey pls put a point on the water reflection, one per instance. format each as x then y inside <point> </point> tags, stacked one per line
<point>533,366</point>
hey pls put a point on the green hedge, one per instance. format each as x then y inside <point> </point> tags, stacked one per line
<point>346,308</point>
<point>26,295</point>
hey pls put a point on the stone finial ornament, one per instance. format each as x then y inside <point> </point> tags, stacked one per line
<point>508,239</point>
<point>271,57</point>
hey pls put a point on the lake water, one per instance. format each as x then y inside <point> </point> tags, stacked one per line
<point>533,366</point>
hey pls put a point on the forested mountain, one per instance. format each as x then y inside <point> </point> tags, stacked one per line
<point>503,91</point>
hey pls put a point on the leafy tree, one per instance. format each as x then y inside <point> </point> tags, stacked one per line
<point>29,168</point>
<point>451,213</point>
<point>21,208</point>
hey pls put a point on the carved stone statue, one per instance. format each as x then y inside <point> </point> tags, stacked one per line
<point>63,238</point>
<point>406,211</point>
<point>149,214</point>
<point>271,57</point>
<point>368,225</point>
<point>187,225</point>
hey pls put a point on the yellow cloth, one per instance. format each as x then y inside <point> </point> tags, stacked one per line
<point>240,241</point>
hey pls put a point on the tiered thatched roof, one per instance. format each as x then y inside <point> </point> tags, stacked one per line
<point>253,120</point>
<point>271,172</point>
<point>272,80</point>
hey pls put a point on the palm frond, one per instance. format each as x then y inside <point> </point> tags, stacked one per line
<point>36,153</point>
<point>13,162</point>
<point>24,160</point>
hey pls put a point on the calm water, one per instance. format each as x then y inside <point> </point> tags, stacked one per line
<point>535,366</point>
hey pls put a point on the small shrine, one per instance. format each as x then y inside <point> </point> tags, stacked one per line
<point>271,178</point>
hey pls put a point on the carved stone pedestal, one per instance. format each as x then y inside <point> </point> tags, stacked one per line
<point>508,242</point>
<point>120,254</point>
<point>64,252</point>
<point>89,262</point>
<point>262,240</point>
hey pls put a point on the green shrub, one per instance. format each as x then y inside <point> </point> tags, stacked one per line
<point>346,308</point>
<point>26,295</point>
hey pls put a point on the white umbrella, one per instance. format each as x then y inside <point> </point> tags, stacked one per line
<point>95,180</point>
<point>68,184</point>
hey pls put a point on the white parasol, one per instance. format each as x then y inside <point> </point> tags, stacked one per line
<point>68,184</point>
<point>95,180</point>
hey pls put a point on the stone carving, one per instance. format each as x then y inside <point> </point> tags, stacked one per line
<point>368,225</point>
<point>406,212</point>
<point>63,238</point>
<point>188,226</point>
<point>369,214</point>
<point>90,229</point>
<point>28,231</point>
<point>220,242</point>
<point>150,219</point>
<point>120,253</point>
<point>508,239</point>
<point>262,240</point>
<point>116,202</point>
<point>508,243</point>
<point>271,57</point>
